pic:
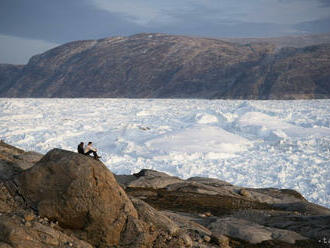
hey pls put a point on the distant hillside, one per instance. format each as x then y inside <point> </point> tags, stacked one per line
<point>168,66</point>
<point>8,74</point>
<point>296,41</point>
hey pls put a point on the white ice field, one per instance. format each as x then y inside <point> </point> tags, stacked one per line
<point>281,144</point>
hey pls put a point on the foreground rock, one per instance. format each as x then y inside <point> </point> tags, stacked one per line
<point>79,193</point>
<point>71,200</point>
<point>82,197</point>
<point>14,160</point>
<point>20,227</point>
<point>250,217</point>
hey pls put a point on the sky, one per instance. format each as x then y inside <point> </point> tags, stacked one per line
<point>30,27</point>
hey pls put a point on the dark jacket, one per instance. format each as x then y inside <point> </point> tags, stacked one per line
<point>81,148</point>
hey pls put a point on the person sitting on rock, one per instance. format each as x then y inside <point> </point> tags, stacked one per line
<point>90,149</point>
<point>81,148</point>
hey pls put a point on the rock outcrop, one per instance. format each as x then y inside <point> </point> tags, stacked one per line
<point>71,200</point>
<point>82,197</point>
<point>79,193</point>
<point>14,160</point>
<point>169,66</point>
<point>216,209</point>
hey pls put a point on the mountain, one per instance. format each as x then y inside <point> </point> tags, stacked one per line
<point>169,66</point>
<point>296,41</point>
<point>8,74</point>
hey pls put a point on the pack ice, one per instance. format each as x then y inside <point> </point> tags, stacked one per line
<point>282,144</point>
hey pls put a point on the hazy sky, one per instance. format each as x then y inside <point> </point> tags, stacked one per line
<point>29,27</point>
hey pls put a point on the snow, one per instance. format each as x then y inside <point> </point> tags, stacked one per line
<point>199,138</point>
<point>281,144</point>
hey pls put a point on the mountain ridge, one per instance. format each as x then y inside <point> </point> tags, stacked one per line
<point>172,66</point>
<point>296,41</point>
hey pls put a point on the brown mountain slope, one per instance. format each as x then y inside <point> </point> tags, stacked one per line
<point>167,66</point>
<point>8,74</point>
<point>286,41</point>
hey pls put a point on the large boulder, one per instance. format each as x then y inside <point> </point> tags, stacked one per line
<point>21,228</point>
<point>83,197</point>
<point>79,192</point>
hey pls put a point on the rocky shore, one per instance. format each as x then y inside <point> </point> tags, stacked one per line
<point>64,199</point>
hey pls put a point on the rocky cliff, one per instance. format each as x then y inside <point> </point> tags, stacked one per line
<point>65,199</point>
<point>167,66</point>
<point>8,75</point>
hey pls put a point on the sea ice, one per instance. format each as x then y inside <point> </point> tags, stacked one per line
<point>283,144</point>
